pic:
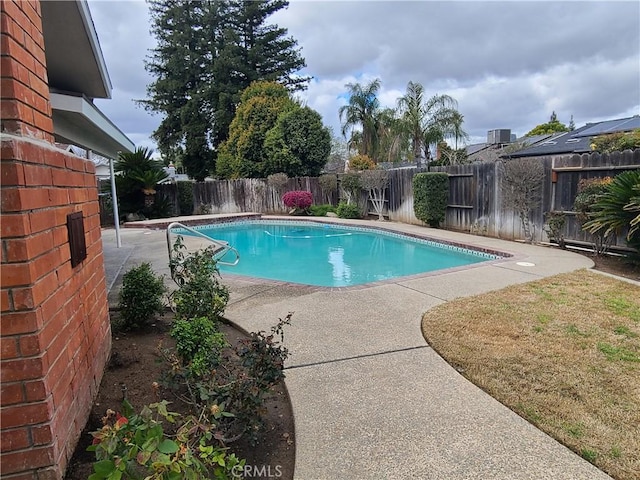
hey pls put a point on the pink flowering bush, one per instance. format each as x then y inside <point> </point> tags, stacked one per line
<point>298,199</point>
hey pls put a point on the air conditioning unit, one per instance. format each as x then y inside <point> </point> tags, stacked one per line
<point>498,136</point>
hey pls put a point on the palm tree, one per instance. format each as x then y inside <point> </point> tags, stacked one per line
<point>439,112</point>
<point>391,139</point>
<point>425,122</point>
<point>362,111</point>
<point>455,129</point>
<point>411,109</point>
<point>139,173</point>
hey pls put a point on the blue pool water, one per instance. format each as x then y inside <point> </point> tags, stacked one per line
<point>332,255</point>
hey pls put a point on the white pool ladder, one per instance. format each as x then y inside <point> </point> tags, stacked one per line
<point>221,249</point>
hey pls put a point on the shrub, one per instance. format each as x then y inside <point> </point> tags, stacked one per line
<point>140,297</point>
<point>618,208</point>
<point>618,141</point>
<point>522,190</point>
<point>348,210</point>
<point>589,191</point>
<point>321,210</point>
<point>185,197</point>
<point>136,446</point>
<point>199,293</point>
<point>553,228</point>
<point>198,343</point>
<point>278,181</point>
<point>361,162</point>
<point>351,186</point>
<point>241,385</point>
<point>328,184</point>
<point>430,197</point>
<point>298,199</point>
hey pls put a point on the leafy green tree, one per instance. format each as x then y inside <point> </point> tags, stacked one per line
<point>207,53</point>
<point>272,133</point>
<point>362,111</point>
<point>298,145</point>
<point>552,126</point>
<point>243,154</point>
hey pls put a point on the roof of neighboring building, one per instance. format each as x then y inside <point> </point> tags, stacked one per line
<point>576,141</point>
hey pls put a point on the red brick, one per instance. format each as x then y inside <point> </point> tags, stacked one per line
<point>31,152</point>
<point>42,220</point>
<point>60,236</point>
<point>11,173</point>
<point>6,302</point>
<point>36,391</point>
<point>29,345</point>
<point>16,275</point>
<point>14,225</point>
<point>46,263</point>
<point>16,199</point>
<point>19,415</point>
<point>14,439</point>
<point>41,434</point>
<point>64,273</point>
<point>22,369</point>
<point>15,323</point>
<point>22,300</point>
<point>8,348</point>
<point>42,121</point>
<point>37,174</point>
<point>26,248</point>
<point>59,196</point>
<point>75,163</point>
<point>26,459</point>
<point>10,394</point>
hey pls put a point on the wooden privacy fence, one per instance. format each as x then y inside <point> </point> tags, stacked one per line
<point>475,197</point>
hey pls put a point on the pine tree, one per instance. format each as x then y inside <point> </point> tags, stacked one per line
<point>207,53</point>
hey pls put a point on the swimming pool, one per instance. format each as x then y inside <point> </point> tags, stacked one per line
<point>330,255</point>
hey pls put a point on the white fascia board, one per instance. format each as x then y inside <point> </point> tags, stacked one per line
<point>87,114</point>
<point>92,35</point>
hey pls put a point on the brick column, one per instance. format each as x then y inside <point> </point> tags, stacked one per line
<point>54,329</point>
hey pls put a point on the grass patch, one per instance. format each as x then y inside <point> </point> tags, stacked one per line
<point>565,355</point>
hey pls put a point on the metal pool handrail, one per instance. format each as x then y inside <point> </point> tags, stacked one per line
<point>221,246</point>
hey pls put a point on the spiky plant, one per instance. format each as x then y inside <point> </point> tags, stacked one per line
<point>619,208</point>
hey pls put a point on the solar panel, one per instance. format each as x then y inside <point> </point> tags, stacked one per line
<point>611,126</point>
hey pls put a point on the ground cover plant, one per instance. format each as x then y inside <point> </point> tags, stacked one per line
<point>563,352</point>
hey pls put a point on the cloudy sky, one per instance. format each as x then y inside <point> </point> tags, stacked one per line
<point>509,64</point>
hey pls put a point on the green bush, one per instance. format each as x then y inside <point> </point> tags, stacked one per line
<point>200,293</point>
<point>348,210</point>
<point>135,446</point>
<point>618,208</point>
<point>140,297</point>
<point>199,344</point>
<point>430,197</point>
<point>589,192</point>
<point>321,210</point>
<point>185,197</point>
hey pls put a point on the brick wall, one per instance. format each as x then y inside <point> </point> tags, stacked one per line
<point>54,331</point>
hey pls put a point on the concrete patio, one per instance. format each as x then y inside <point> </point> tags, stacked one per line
<point>371,399</point>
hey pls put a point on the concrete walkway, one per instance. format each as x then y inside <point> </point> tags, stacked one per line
<point>371,399</point>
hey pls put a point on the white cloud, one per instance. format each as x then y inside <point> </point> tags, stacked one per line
<point>509,64</point>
